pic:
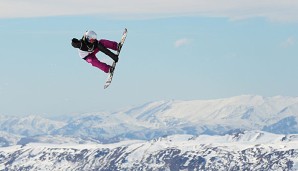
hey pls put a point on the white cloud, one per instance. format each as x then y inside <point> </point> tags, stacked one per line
<point>280,10</point>
<point>288,42</point>
<point>181,42</point>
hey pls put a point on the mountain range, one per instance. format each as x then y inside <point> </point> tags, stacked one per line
<point>156,119</point>
<point>248,150</point>
<point>239,133</point>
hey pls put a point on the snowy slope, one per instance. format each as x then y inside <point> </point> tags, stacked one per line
<point>252,150</point>
<point>161,118</point>
<point>219,116</point>
<point>29,125</point>
<point>7,139</point>
<point>258,109</point>
<point>102,126</point>
<point>238,133</point>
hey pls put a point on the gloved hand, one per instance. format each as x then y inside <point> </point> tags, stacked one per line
<point>75,43</point>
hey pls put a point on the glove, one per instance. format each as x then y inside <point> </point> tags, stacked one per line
<point>75,43</point>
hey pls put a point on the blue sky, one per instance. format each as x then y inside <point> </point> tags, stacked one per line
<point>174,50</point>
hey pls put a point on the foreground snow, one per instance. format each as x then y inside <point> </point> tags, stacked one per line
<point>249,150</point>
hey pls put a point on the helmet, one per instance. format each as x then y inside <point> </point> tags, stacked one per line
<point>90,36</point>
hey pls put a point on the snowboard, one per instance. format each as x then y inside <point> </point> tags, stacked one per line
<point>111,74</point>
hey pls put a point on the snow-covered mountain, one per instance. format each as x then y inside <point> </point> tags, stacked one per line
<point>252,111</point>
<point>156,119</point>
<point>212,117</point>
<point>238,133</point>
<point>28,126</point>
<point>249,150</point>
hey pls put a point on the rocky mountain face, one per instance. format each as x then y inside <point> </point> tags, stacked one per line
<point>253,150</point>
<point>238,133</point>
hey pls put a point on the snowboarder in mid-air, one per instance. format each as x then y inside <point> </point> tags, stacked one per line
<point>89,46</point>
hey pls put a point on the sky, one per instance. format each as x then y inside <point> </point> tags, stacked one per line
<point>180,50</point>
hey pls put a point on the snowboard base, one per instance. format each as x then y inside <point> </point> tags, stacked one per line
<point>111,74</point>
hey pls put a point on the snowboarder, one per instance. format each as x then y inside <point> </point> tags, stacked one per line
<point>89,46</point>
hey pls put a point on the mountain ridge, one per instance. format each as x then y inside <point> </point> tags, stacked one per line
<point>248,150</point>
<point>277,115</point>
